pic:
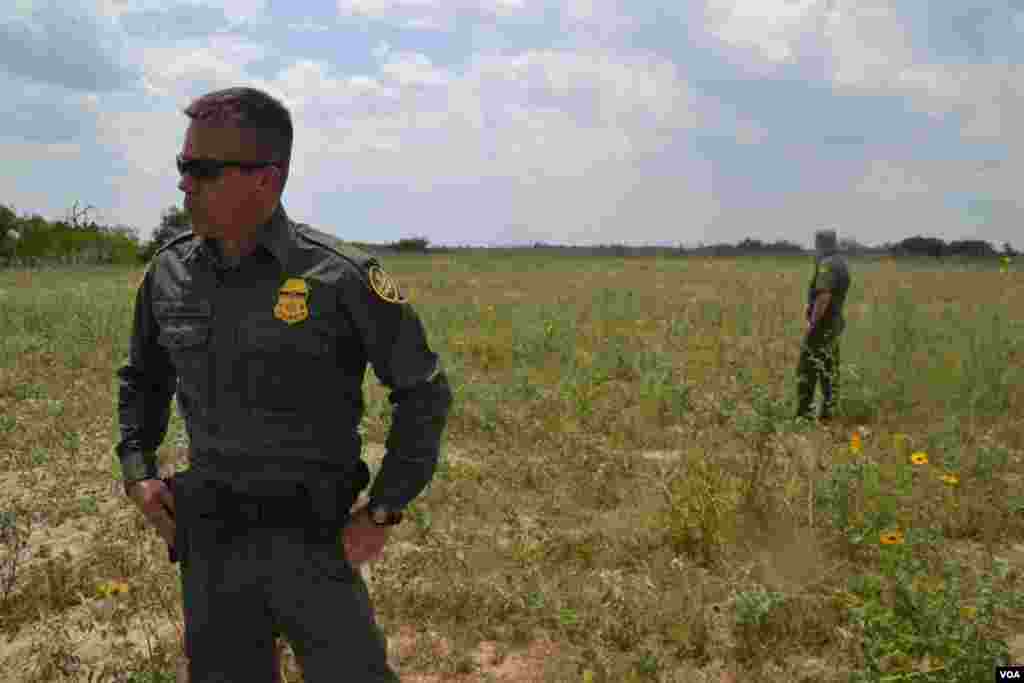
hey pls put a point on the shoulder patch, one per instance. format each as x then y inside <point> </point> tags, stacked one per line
<point>384,286</point>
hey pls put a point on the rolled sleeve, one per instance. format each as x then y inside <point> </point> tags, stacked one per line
<point>146,384</point>
<point>396,345</point>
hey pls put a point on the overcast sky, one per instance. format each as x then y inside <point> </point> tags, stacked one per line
<point>513,121</point>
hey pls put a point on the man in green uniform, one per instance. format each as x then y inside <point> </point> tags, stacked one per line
<point>819,353</point>
<point>264,328</point>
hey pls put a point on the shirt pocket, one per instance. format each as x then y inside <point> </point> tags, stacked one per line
<point>185,333</point>
<point>286,369</point>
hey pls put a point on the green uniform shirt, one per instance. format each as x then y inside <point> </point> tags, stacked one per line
<point>831,274</point>
<point>268,362</point>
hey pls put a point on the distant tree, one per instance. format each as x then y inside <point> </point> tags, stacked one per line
<point>972,249</point>
<point>413,244</point>
<point>851,246</point>
<point>173,222</point>
<point>9,238</point>
<point>75,219</point>
<point>924,246</point>
<point>9,234</point>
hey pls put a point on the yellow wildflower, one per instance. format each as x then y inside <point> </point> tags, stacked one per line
<point>891,538</point>
<point>968,612</point>
<point>950,479</point>
<point>855,444</point>
<point>919,458</point>
<point>928,584</point>
<point>108,588</point>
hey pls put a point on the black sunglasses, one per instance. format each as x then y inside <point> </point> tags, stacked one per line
<point>209,169</point>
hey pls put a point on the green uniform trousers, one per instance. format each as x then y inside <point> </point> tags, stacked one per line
<point>819,361</point>
<point>242,584</point>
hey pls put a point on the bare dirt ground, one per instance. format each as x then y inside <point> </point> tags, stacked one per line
<point>87,645</point>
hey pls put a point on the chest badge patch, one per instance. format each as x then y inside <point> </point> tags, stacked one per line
<point>292,301</point>
<point>384,286</point>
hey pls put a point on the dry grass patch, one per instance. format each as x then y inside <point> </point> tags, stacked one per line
<point>622,496</point>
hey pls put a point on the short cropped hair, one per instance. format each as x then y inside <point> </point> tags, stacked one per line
<point>264,122</point>
<point>825,240</point>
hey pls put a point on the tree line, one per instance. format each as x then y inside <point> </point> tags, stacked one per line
<point>34,241</point>
<point>917,246</point>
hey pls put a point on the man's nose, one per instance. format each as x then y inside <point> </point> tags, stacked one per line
<point>186,184</point>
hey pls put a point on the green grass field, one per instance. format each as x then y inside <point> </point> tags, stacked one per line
<point>622,494</point>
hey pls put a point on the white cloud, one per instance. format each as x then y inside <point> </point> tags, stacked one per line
<point>240,11</point>
<point>220,60</point>
<point>428,14</point>
<point>770,27</point>
<point>886,180</point>
<point>413,69</point>
<point>750,133</point>
<point>17,152</point>
<point>236,11</point>
<point>544,139</point>
<point>550,139</point>
<point>132,137</point>
<point>871,51</point>
<point>113,9</point>
<point>308,26</point>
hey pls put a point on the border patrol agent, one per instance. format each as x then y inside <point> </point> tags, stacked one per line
<point>264,328</point>
<point>819,353</point>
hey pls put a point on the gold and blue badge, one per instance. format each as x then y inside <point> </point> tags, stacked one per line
<point>292,301</point>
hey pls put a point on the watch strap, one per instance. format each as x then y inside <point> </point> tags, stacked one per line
<point>387,515</point>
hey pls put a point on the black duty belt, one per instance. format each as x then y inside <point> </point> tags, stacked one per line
<point>319,505</point>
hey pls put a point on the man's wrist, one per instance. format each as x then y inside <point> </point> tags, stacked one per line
<point>129,484</point>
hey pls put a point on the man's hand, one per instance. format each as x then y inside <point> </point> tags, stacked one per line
<point>156,503</point>
<point>362,539</point>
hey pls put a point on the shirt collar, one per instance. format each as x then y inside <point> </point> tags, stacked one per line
<point>276,236</point>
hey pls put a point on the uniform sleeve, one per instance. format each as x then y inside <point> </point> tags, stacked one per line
<point>146,384</point>
<point>395,343</point>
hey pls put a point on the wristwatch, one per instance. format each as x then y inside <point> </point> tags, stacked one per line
<point>382,515</point>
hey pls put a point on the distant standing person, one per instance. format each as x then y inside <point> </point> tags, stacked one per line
<point>264,328</point>
<point>819,353</point>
